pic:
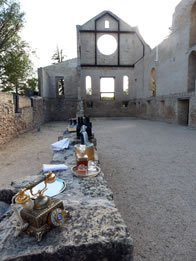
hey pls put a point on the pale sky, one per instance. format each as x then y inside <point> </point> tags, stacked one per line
<point>53,22</point>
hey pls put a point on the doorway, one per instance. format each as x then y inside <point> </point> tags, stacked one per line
<point>183,112</point>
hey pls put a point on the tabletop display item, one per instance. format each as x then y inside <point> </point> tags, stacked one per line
<point>89,150</point>
<point>92,171</point>
<point>40,212</point>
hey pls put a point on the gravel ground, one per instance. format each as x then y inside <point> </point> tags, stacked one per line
<point>151,169</point>
<point>25,155</point>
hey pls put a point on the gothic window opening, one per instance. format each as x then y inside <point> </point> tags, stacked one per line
<point>192,40</point>
<point>60,86</point>
<point>107,88</point>
<point>107,24</point>
<point>152,82</point>
<point>88,85</point>
<point>126,85</point>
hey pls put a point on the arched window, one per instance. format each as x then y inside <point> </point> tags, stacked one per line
<point>126,84</point>
<point>192,39</point>
<point>88,85</point>
<point>107,24</point>
<point>152,83</point>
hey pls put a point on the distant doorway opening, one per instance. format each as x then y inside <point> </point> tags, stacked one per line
<point>183,112</point>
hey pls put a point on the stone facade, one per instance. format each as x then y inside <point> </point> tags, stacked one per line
<point>160,82</point>
<point>31,114</point>
<point>174,63</point>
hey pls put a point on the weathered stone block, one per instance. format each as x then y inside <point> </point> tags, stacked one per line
<point>95,231</point>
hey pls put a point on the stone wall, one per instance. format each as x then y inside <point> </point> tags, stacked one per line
<point>32,113</point>
<point>179,108</point>
<point>170,58</point>
<point>61,109</point>
<point>192,115</point>
<point>121,64</point>
<point>163,108</point>
<point>24,102</point>
<point>48,75</point>
<point>173,62</point>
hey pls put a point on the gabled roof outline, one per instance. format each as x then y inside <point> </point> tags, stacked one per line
<point>102,14</point>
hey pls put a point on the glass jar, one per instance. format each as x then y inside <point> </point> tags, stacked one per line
<point>82,157</point>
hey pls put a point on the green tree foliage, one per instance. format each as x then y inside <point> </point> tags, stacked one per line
<point>30,85</point>
<point>15,64</point>
<point>17,68</point>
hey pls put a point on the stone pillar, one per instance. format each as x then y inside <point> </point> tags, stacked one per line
<point>80,104</point>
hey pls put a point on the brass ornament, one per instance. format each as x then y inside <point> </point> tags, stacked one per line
<point>42,201</point>
<point>21,197</point>
<point>44,212</point>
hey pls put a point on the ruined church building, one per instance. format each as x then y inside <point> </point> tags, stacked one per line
<point>128,79</point>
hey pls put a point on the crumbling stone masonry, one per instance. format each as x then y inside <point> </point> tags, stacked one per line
<point>31,114</point>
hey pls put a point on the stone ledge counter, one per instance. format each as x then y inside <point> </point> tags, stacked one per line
<point>95,232</point>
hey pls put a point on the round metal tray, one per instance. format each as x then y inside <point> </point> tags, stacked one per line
<point>53,188</point>
<point>88,174</point>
